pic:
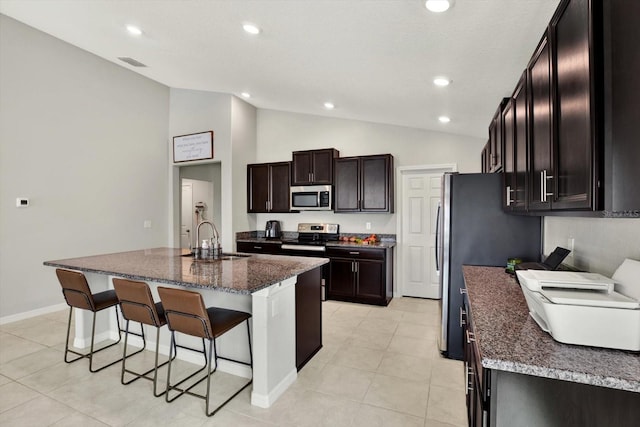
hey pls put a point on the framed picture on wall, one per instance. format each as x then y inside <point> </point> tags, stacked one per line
<point>195,146</point>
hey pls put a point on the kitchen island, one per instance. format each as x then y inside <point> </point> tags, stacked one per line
<point>518,375</point>
<point>263,285</point>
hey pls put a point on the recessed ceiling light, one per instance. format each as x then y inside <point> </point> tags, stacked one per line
<point>444,119</point>
<point>133,30</point>
<point>251,29</point>
<point>441,81</point>
<point>329,105</point>
<point>246,95</point>
<point>438,5</point>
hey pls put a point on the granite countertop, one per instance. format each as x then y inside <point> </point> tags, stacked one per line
<point>241,275</point>
<point>333,243</point>
<point>510,340</point>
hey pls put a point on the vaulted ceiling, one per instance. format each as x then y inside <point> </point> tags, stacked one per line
<point>374,59</point>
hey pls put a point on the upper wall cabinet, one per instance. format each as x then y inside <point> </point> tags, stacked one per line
<point>364,184</point>
<point>496,141</point>
<point>582,114</point>
<point>313,167</point>
<point>541,130</point>
<point>268,187</point>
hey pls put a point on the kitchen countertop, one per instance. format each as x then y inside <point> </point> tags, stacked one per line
<point>331,243</point>
<point>510,340</point>
<point>241,275</point>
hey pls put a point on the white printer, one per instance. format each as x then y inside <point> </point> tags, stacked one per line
<point>586,308</point>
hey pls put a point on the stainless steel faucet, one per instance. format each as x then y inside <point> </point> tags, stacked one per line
<point>215,244</point>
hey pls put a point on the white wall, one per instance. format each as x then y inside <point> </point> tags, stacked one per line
<point>600,244</point>
<point>86,141</point>
<point>234,144</point>
<point>280,133</point>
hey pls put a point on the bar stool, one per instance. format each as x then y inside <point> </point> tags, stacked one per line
<point>187,314</point>
<point>77,294</point>
<point>136,303</point>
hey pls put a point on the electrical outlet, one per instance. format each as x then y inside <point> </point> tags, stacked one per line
<point>570,243</point>
<point>147,224</point>
<point>368,225</point>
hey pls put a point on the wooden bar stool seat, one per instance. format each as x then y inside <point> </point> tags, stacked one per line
<point>137,304</point>
<point>186,313</point>
<point>78,295</point>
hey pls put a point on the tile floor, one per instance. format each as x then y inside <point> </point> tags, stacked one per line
<point>379,366</point>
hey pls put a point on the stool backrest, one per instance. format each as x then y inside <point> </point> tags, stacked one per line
<point>75,289</point>
<point>185,312</point>
<point>136,302</point>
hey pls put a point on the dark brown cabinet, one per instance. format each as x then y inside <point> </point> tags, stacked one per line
<point>360,274</point>
<point>364,184</point>
<point>496,142</point>
<point>520,143</point>
<point>260,248</point>
<point>313,167</point>
<point>477,378</point>
<point>485,157</point>
<point>268,187</point>
<point>541,155</point>
<point>509,168</point>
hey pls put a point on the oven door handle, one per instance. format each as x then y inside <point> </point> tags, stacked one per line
<point>303,248</point>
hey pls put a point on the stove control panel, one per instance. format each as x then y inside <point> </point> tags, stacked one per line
<point>320,228</point>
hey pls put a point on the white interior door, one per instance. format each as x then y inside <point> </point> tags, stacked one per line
<point>420,198</point>
<point>186,217</point>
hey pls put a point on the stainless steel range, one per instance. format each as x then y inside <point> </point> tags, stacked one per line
<point>312,238</point>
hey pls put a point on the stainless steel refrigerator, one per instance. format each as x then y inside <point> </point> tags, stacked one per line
<point>473,229</point>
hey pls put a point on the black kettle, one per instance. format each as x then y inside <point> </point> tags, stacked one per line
<point>272,230</point>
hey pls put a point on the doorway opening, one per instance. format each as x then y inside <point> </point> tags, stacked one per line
<point>199,200</point>
<point>419,193</point>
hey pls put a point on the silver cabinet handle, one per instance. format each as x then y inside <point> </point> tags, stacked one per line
<point>354,253</point>
<point>257,247</point>
<point>462,320</point>
<point>544,193</point>
<point>509,191</point>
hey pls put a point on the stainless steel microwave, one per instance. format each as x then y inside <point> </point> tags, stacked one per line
<point>311,198</point>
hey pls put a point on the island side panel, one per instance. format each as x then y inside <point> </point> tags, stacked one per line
<point>308,316</point>
<point>274,342</point>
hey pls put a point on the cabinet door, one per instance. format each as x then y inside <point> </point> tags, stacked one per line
<point>520,143</point>
<point>279,186</point>
<point>574,114</point>
<point>341,277</point>
<point>509,156</point>
<point>483,158</point>
<point>540,120</point>
<point>301,168</point>
<point>322,167</point>
<point>370,280</point>
<point>346,185</point>
<point>375,186</point>
<point>258,188</point>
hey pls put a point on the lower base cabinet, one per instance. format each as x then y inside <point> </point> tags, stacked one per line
<point>362,275</point>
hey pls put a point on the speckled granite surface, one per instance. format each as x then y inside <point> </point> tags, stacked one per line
<point>510,340</point>
<point>255,237</point>
<point>166,265</point>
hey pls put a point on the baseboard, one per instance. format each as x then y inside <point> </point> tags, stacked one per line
<point>32,313</point>
<point>266,400</point>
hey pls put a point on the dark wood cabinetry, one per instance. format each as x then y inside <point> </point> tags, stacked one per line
<point>361,274</point>
<point>541,150</point>
<point>520,143</point>
<point>495,161</point>
<point>509,169</point>
<point>477,378</point>
<point>485,157</point>
<point>364,184</point>
<point>273,248</point>
<point>577,115</point>
<point>268,187</point>
<point>313,167</point>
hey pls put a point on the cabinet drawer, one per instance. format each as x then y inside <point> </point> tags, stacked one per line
<point>259,247</point>
<point>356,253</point>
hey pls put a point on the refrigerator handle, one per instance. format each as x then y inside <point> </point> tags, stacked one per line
<point>438,238</point>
